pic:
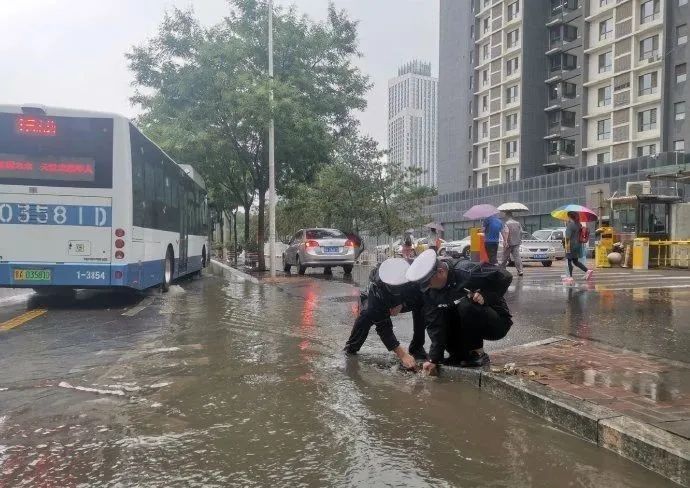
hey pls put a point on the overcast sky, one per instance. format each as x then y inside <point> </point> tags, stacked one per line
<point>70,53</point>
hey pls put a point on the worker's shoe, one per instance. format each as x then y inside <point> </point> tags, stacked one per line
<point>475,360</point>
<point>453,360</point>
<point>588,274</point>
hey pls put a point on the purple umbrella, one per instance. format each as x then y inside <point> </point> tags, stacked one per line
<point>481,211</point>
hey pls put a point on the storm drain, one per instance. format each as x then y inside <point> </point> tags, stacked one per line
<point>345,299</point>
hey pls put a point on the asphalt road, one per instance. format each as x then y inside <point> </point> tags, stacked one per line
<point>229,383</point>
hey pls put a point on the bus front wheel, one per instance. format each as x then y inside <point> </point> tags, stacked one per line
<point>168,268</point>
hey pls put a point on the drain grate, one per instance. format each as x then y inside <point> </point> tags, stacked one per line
<point>345,299</point>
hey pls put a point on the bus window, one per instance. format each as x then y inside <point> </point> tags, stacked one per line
<point>149,185</point>
<point>138,189</point>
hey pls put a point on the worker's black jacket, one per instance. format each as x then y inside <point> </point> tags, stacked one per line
<point>490,280</point>
<point>380,298</point>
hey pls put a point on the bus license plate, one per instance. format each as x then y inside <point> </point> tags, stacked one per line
<point>331,250</point>
<point>32,275</point>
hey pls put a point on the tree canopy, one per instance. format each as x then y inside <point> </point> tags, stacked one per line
<point>205,95</point>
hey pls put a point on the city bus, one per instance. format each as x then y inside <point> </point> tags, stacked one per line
<point>88,201</point>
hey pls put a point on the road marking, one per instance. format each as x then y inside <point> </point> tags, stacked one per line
<point>22,319</point>
<point>662,287</point>
<point>142,305</point>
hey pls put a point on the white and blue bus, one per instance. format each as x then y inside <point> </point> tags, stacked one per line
<point>88,201</point>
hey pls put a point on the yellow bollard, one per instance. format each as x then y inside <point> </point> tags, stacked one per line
<point>641,253</point>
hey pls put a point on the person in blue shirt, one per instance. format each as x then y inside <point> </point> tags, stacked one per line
<point>492,231</point>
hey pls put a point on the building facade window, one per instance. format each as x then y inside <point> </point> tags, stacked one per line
<point>511,175</point>
<point>681,73</point>
<point>649,47</point>
<point>554,91</point>
<point>485,52</point>
<point>568,118</point>
<point>569,33</point>
<point>646,120</point>
<point>605,62</point>
<point>485,77</point>
<point>511,122</point>
<point>569,61</point>
<point>485,129</point>
<point>603,129</point>
<point>679,146</point>
<point>649,11</point>
<point>569,90</point>
<point>555,63</point>
<point>511,94</point>
<point>512,38</point>
<point>485,26</point>
<point>511,149</point>
<point>679,110</point>
<point>604,96</point>
<point>485,179</point>
<point>603,157</point>
<point>606,29</point>
<point>682,2</point>
<point>682,34</point>
<point>485,103</point>
<point>646,150</point>
<point>647,84</point>
<point>604,3</point>
<point>485,156</point>
<point>512,66</point>
<point>513,10</point>
<point>471,82</point>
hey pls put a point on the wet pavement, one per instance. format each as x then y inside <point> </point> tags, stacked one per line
<point>226,383</point>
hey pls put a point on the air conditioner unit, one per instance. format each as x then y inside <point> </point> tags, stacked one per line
<point>638,188</point>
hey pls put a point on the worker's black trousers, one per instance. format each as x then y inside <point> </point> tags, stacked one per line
<point>375,314</point>
<point>470,324</point>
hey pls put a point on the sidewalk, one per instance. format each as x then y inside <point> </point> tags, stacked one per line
<point>634,404</point>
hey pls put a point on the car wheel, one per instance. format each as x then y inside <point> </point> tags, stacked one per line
<point>466,253</point>
<point>168,270</point>
<point>286,265</point>
<point>348,268</point>
<point>547,264</point>
<point>300,269</point>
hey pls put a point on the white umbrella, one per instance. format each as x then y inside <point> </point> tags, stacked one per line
<point>513,207</point>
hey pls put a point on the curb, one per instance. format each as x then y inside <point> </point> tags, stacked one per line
<point>657,450</point>
<point>235,273</point>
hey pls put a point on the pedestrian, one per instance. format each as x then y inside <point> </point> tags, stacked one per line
<point>433,239</point>
<point>464,305</point>
<point>408,252</point>
<point>512,238</point>
<point>575,238</point>
<point>389,294</point>
<point>357,242</point>
<point>492,232</point>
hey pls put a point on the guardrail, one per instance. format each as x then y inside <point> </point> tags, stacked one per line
<point>669,254</point>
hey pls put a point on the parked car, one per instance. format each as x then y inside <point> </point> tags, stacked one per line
<point>456,249</point>
<point>319,248</point>
<point>554,234</point>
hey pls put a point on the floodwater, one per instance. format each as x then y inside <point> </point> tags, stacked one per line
<point>237,384</point>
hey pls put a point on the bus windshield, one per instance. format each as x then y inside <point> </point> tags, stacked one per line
<point>56,151</point>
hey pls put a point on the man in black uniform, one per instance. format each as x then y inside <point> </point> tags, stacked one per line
<point>389,294</point>
<point>464,305</point>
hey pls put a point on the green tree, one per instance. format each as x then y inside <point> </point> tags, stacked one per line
<point>212,83</point>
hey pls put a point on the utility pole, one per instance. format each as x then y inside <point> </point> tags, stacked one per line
<point>271,152</point>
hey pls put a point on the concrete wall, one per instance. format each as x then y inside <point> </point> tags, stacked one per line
<point>454,95</point>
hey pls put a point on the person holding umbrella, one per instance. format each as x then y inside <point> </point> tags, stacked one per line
<point>575,236</point>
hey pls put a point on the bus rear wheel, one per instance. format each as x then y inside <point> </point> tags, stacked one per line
<point>168,268</point>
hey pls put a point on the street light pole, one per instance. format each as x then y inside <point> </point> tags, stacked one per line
<point>271,152</point>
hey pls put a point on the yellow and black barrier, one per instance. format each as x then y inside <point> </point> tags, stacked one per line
<point>669,254</point>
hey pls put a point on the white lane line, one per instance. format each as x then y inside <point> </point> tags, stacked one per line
<point>142,305</point>
<point>606,288</point>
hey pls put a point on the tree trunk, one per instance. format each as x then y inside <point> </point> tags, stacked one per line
<point>247,210</point>
<point>234,224</point>
<point>261,231</point>
<point>221,254</point>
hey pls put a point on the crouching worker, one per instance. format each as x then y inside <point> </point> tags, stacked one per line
<point>463,306</point>
<point>389,294</point>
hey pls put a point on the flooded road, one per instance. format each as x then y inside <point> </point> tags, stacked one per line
<point>235,384</point>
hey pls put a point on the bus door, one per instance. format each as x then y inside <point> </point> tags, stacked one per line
<point>184,233</point>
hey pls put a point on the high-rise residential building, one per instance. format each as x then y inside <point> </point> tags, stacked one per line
<point>560,84</point>
<point>455,90</point>
<point>412,120</point>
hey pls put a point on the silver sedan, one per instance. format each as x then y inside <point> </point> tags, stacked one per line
<point>319,248</point>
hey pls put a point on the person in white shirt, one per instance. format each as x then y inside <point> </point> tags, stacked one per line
<point>512,238</point>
